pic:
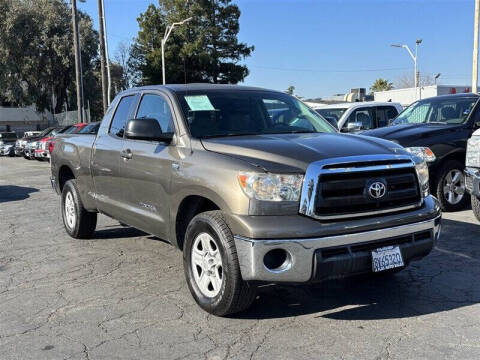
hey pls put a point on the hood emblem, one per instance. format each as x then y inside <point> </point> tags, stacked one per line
<point>377,190</point>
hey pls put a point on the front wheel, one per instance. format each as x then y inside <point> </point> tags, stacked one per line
<point>211,266</point>
<point>475,206</point>
<point>78,222</point>
<point>450,189</point>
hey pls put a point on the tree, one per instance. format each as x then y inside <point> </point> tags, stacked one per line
<point>36,54</point>
<point>381,85</point>
<point>121,58</point>
<point>407,81</point>
<point>290,90</point>
<point>206,49</point>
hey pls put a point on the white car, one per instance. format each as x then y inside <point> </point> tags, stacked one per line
<point>359,116</point>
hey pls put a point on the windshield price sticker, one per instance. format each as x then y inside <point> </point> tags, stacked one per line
<point>199,103</point>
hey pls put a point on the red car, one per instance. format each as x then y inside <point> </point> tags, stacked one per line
<point>45,145</point>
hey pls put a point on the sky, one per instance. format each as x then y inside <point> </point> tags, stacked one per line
<point>325,47</point>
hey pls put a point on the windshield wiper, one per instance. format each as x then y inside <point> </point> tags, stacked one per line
<point>292,132</point>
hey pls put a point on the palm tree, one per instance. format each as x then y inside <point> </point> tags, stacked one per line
<point>381,85</point>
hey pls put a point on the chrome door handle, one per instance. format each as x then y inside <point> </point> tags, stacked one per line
<point>175,166</point>
<point>126,154</point>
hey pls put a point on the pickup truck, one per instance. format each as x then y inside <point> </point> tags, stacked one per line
<point>472,172</point>
<point>251,185</point>
<point>437,129</point>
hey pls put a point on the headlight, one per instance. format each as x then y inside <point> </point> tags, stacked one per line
<point>473,152</point>
<point>271,187</point>
<point>422,172</point>
<point>422,152</point>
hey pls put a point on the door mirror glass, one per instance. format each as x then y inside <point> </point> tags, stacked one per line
<point>146,129</point>
<point>354,126</point>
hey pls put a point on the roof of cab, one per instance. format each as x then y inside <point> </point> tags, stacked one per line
<point>197,87</point>
<point>356,104</point>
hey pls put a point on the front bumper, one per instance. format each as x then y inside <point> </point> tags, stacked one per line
<point>42,154</point>
<point>322,258</point>
<point>472,181</point>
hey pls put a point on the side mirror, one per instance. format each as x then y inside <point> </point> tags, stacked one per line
<point>354,126</point>
<point>146,129</point>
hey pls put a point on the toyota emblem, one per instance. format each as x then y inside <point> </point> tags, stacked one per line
<point>377,190</point>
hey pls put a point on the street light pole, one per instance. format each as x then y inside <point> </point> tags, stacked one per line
<point>475,48</point>
<point>78,62</point>
<point>414,58</point>
<point>168,31</point>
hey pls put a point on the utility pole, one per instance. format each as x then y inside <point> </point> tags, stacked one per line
<point>475,48</point>
<point>78,62</point>
<point>102,55</point>
<point>107,58</point>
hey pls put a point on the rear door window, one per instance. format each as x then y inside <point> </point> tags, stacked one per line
<point>385,114</point>
<point>117,127</point>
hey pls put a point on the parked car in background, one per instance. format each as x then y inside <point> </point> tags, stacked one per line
<point>42,145</point>
<point>24,145</point>
<point>27,134</point>
<point>91,128</point>
<point>9,137</point>
<point>7,150</point>
<point>359,116</point>
<point>88,128</point>
<point>251,185</point>
<point>437,129</point>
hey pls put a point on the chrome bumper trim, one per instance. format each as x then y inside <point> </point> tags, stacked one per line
<point>251,252</point>
<point>472,181</point>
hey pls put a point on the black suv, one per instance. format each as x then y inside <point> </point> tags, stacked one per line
<point>437,129</point>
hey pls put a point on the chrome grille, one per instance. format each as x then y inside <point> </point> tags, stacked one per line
<point>338,188</point>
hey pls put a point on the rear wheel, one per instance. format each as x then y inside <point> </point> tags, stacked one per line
<point>450,188</point>
<point>211,266</point>
<point>78,222</point>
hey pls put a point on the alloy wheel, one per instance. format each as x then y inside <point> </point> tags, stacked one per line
<point>207,265</point>
<point>454,186</point>
<point>70,213</point>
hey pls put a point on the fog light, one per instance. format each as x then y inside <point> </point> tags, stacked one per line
<point>277,260</point>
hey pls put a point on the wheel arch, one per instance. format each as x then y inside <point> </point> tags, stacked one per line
<point>190,206</point>
<point>65,173</point>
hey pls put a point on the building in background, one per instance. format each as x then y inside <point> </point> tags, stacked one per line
<point>409,95</point>
<point>28,119</point>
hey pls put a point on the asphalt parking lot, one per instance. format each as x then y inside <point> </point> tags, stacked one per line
<point>122,295</point>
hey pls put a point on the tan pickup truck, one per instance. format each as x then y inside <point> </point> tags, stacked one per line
<point>251,185</point>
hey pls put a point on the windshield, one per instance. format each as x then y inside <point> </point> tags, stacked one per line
<point>437,110</point>
<point>239,112</point>
<point>335,114</point>
<point>45,132</point>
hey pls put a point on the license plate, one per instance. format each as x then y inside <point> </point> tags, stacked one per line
<point>386,258</point>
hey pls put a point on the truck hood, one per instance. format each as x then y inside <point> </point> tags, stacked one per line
<point>294,152</point>
<point>406,134</point>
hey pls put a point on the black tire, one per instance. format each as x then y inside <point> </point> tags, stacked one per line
<point>446,168</point>
<point>85,222</point>
<point>475,206</point>
<point>235,294</point>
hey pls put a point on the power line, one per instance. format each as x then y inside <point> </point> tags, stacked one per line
<point>326,71</point>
